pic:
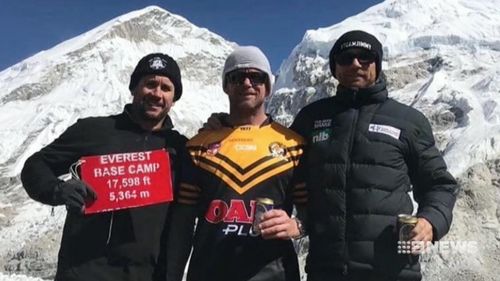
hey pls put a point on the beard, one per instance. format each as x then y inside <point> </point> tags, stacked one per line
<point>247,106</point>
<point>144,111</point>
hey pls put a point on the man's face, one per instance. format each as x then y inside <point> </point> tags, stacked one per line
<point>246,88</point>
<point>153,97</point>
<point>355,68</point>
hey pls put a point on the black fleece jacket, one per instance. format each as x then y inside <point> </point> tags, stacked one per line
<point>119,245</point>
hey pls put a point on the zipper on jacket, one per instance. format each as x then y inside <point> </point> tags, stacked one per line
<point>110,229</point>
<point>348,174</point>
<point>354,97</point>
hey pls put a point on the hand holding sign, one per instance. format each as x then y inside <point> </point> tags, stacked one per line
<point>74,194</point>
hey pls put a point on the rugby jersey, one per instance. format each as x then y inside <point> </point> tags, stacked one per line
<point>226,171</point>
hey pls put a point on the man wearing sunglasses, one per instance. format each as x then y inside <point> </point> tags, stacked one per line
<point>365,152</point>
<point>228,169</point>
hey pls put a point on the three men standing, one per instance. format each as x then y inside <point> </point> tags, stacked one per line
<point>364,153</point>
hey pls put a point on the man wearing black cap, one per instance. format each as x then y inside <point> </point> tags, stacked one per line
<point>365,153</point>
<point>123,244</point>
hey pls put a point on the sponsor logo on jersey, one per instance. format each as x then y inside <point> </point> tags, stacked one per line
<point>385,129</point>
<point>236,216</point>
<point>321,135</point>
<point>240,140</point>
<point>245,147</point>
<point>325,123</point>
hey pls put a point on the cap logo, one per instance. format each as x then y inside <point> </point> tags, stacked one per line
<point>243,65</point>
<point>354,44</point>
<point>157,63</point>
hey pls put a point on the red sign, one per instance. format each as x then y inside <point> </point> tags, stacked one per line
<point>127,180</point>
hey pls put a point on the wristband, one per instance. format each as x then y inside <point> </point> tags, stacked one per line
<point>300,226</point>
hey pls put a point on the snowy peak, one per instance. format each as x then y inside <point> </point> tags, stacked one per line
<point>163,26</point>
<point>163,29</point>
<point>406,25</point>
<point>441,57</point>
<point>89,75</point>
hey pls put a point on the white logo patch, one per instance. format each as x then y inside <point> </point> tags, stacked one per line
<point>157,63</point>
<point>325,123</point>
<point>384,129</point>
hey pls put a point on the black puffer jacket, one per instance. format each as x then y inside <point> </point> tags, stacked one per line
<point>365,153</point>
<point>132,251</point>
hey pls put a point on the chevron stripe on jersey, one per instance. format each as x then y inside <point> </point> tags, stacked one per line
<point>248,155</point>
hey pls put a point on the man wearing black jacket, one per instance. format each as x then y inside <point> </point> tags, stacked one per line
<point>115,245</point>
<point>365,152</point>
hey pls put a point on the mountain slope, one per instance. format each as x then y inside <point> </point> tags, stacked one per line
<point>44,94</point>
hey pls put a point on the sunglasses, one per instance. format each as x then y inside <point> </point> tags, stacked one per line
<point>363,57</point>
<point>238,77</point>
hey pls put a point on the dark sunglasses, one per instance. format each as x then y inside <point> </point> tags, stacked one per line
<point>363,57</point>
<point>238,77</point>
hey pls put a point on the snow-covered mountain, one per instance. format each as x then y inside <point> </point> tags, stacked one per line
<point>440,57</point>
<point>89,75</point>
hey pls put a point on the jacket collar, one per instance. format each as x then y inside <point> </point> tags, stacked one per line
<point>167,123</point>
<point>374,94</point>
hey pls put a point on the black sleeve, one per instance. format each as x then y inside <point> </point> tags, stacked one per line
<point>41,171</point>
<point>300,193</point>
<point>301,125</point>
<point>175,146</point>
<point>183,215</point>
<point>434,188</point>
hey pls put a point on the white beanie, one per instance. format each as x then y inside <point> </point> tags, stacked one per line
<point>247,57</point>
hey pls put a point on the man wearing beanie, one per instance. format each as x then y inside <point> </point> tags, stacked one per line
<point>122,243</point>
<point>226,171</point>
<point>365,152</point>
